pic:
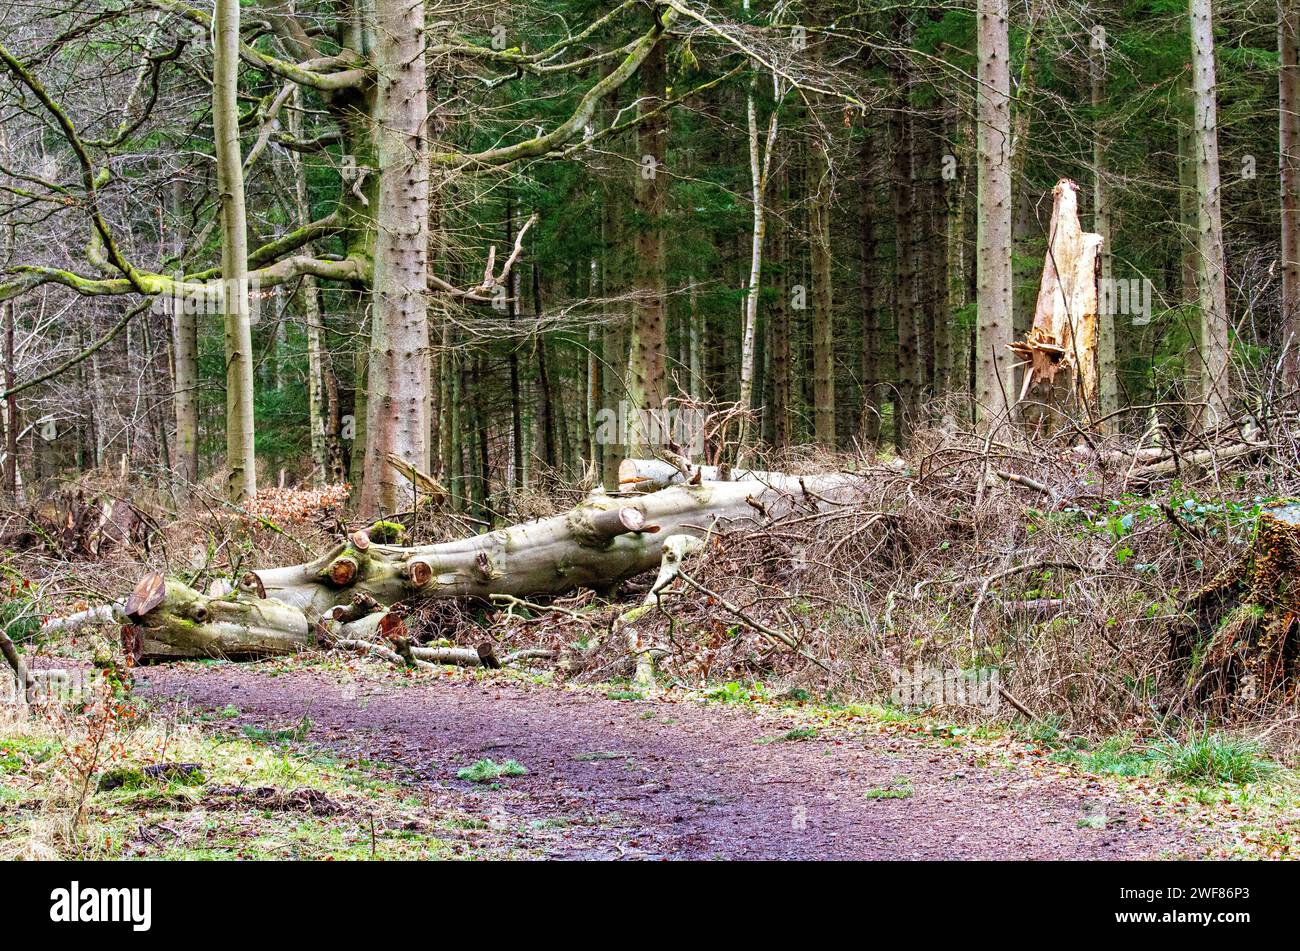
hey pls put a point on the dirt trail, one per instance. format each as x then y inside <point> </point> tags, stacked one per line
<point>612,779</point>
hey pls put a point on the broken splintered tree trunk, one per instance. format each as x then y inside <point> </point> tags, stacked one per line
<point>595,545</point>
<point>1059,354</point>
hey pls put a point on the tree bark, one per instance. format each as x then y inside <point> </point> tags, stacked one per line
<point>1211,274</point>
<point>322,452</point>
<point>993,239</point>
<point>1288,42</point>
<point>646,369</point>
<point>1107,373</point>
<point>185,371</point>
<point>11,404</point>
<point>600,542</point>
<point>903,183</point>
<point>1060,351</point>
<point>760,163</point>
<point>240,424</point>
<point>396,420</point>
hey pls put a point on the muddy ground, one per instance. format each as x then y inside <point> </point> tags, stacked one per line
<point>685,780</point>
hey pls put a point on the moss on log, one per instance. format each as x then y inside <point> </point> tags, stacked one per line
<point>1241,646</point>
<point>600,542</point>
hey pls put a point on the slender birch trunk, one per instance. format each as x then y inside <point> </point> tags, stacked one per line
<point>760,163</point>
<point>185,372</point>
<point>10,313</point>
<point>320,454</point>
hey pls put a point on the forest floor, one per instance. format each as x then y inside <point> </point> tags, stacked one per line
<point>327,756</point>
<point>613,775</point>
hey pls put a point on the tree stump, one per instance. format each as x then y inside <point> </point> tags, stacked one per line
<point>1242,645</point>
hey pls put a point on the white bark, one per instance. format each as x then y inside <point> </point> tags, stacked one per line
<point>597,544</point>
<point>311,309</point>
<point>760,164</point>
<point>234,253</point>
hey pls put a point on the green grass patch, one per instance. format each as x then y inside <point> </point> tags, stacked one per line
<point>1202,758</point>
<point>899,788</point>
<point>486,770</point>
<point>294,734</point>
<point>623,695</point>
<point>19,752</point>
<point>1116,756</point>
<point>733,691</point>
<point>790,736</point>
<point>1206,758</point>
<point>242,799</point>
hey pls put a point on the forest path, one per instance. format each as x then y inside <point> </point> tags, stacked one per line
<point>654,779</point>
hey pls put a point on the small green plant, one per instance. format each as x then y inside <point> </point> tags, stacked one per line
<point>1115,756</point>
<point>623,695</point>
<point>486,770</point>
<point>18,618</point>
<point>294,734</point>
<point>798,733</point>
<point>228,712</point>
<point>1045,732</point>
<point>899,788</point>
<point>18,752</point>
<point>735,692</point>
<point>1205,758</point>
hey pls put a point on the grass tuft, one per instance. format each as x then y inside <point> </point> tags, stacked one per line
<point>486,770</point>
<point>1206,758</point>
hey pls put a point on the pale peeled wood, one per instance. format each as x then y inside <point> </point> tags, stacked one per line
<point>1063,338</point>
<point>594,545</point>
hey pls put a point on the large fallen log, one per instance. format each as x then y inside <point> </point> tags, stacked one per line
<point>651,475</point>
<point>597,544</point>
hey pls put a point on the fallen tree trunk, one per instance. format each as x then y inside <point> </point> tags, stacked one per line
<point>597,544</point>
<point>652,475</point>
